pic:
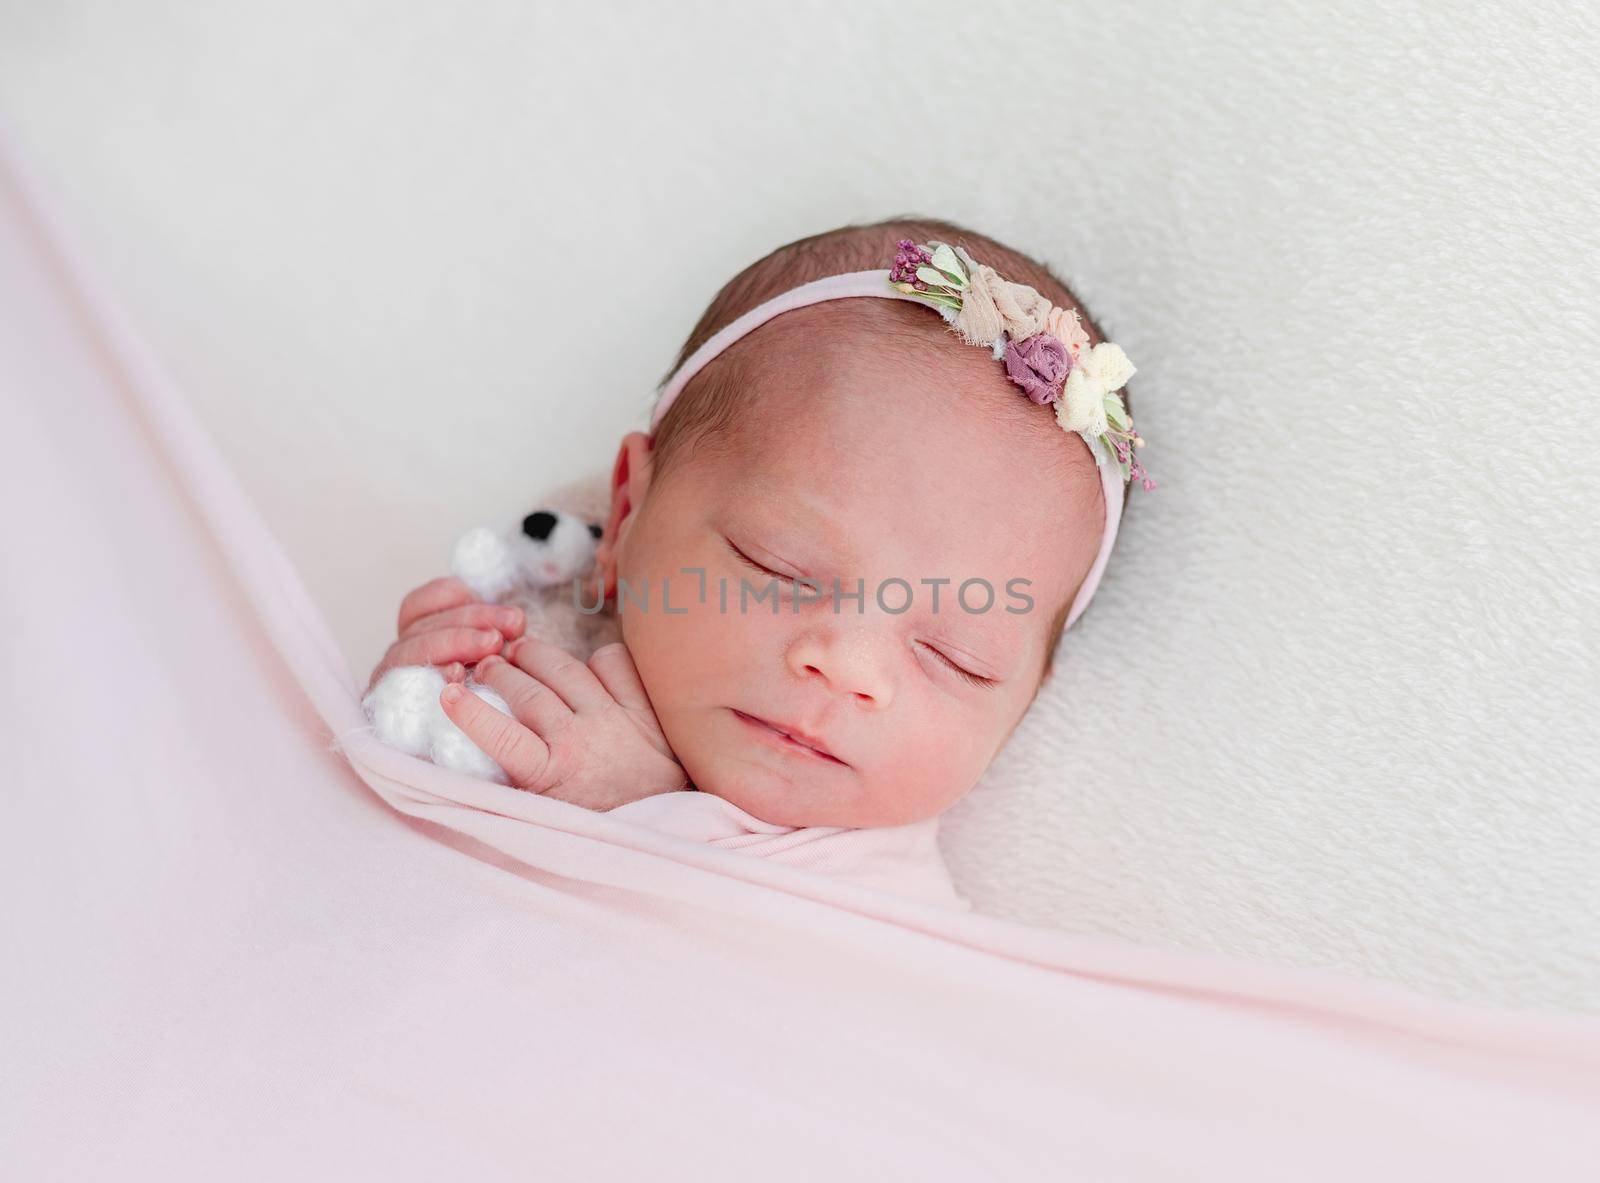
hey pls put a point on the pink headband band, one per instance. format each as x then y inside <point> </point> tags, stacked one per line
<point>883,285</point>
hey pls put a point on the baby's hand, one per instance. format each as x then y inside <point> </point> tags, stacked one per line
<point>443,624</point>
<point>586,734</point>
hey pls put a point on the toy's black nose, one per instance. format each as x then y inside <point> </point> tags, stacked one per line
<point>597,531</point>
<point>537,526</point>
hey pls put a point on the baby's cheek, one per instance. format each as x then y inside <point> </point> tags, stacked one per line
<point>932,767</point>
<point>683,660</point>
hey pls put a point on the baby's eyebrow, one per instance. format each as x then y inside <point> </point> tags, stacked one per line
<point>819,521</point>
<point>812,519</point>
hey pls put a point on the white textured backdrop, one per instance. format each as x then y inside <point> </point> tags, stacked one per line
<point>1336,703</point>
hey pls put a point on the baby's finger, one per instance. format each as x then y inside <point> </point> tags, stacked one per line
<point>524,756</point>
<point>443,646</point>
<point>559,670</point>
<point>613,666</point>
<point>507,620</point>
<point>533,703</point>
<point>435,596</point>
<point>454,672</point>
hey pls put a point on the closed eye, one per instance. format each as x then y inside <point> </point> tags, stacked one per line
<point>752,564</point>
<point>975,679</point>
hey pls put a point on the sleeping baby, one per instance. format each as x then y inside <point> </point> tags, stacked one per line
<point>842,557</point>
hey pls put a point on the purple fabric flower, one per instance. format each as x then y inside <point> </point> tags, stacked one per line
<point>1039,364</point>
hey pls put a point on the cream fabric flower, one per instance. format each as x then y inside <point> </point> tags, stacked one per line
<point>1082,405</point>
<point>991,305</point>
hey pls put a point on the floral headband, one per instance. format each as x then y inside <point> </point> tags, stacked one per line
<point>1045,350</point>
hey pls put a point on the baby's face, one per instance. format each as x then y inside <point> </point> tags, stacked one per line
<point>866,467</point>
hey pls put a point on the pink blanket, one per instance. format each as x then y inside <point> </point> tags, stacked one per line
<point>904,860</point>
<point>244,941</point>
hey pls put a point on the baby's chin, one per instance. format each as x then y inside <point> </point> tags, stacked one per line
<point>774,797</point>
<point>730,758</point>
<point>727,758</point>
<point>797,797</point>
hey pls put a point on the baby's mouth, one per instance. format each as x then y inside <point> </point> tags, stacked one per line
<point>788,742</point>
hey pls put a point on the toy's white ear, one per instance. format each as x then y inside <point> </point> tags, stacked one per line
<point>484,562</point>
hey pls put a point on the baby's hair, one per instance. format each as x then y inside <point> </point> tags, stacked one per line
<point>710,403</point>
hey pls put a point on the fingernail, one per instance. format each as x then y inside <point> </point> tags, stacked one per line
<point>452,694</point>
<point>492,659</point>
<point>512,617</point>
<point>487,637</point>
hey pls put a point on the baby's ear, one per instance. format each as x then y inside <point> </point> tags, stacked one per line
<point>630,478</point>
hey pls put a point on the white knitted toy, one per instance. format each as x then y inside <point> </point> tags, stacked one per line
<point>532,564</point>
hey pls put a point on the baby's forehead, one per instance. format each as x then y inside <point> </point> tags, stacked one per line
<point>875,384</point>
<point>911,450</point>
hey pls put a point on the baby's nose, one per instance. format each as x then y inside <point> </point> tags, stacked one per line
<point>851,665</point>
